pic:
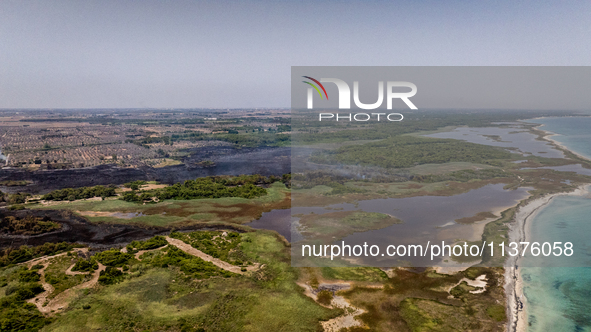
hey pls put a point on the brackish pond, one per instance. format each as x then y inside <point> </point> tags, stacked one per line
<point>425,218</point>
<point>276,220</point>
<point>518,138</point>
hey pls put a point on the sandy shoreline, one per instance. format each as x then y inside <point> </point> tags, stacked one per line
<point>548,136</point>
<point>518,232</point>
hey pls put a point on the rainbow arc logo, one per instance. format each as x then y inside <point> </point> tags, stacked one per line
<point>315,87</point>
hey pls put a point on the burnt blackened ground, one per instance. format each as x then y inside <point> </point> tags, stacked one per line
<point>225,161</point>
<point>77,229</point>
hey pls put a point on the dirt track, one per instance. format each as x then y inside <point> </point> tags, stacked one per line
<point>48,306</point>
<point>61,300</point>
<point>198,253</point>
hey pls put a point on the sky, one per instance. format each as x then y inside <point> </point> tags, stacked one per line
<point>238,54</point>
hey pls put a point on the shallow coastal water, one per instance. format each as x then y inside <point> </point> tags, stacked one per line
<point>572,132</point>
<point>559,298</point>
<point>518,138</point>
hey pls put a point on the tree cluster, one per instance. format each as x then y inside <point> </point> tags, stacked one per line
<point>28,225</point>
<point>214,244</point>
<point>190,265</point>
<point>84,265</point>
<point>134,185</point>
<point>15,313</point>
<point>153,243</point>
<point>72,194</point>
<point>113,257</point>
<point>18,198</point>
<point>244,186</point>
<point>10,255</point>
<point>110,276</point>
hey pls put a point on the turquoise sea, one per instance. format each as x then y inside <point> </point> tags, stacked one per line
<point>559,298</point>
<point>572,132</point>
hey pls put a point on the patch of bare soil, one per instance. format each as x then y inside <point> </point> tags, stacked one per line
<point>342,322</point>
<point>480,283</point>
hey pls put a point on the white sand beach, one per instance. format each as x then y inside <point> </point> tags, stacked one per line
<point>548,136</point>
<point>519,232</point>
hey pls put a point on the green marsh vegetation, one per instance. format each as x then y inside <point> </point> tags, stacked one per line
<point>497,312</point>
<point>324,297</point>
<point>190,265</point>
<point>392,153</point>
<point>337,225</point>
<point>134,185</point>
<point>362,274</point>
<point>13,183</point>
<point>110,276</point>
<point>18,198</point>
<point>462,289</point>
<point>419,301</point>
<point>408,151</point>
<point>415,300</point>
<point>320,188</point>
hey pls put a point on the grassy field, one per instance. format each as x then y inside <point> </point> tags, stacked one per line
<point>165,299</point>
<point>179,212</point>
<point>427,169</point>
<point>317,196</point>
<point>56,276</point>
<point>337,225</point>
